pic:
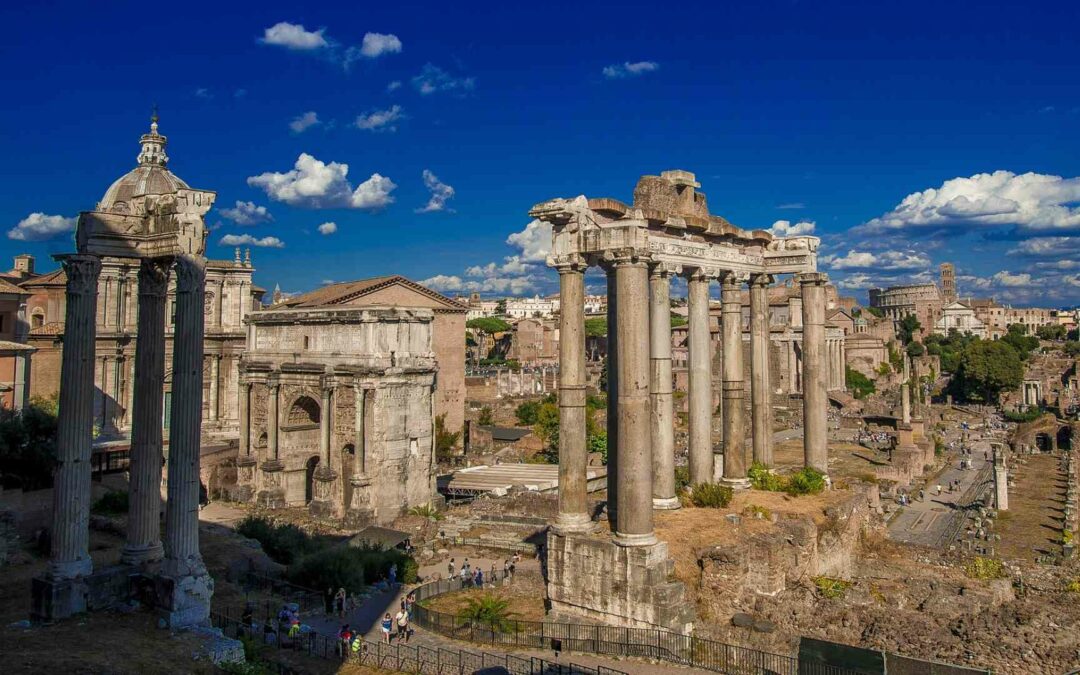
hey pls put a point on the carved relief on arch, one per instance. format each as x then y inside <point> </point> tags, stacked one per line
<point>303,411</point>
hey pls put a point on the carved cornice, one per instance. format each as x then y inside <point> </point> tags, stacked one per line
<point>82,273</point>
<point>762,280</point>
<point>154,276</point>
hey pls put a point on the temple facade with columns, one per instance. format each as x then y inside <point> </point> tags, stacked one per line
<point>625,577</point>
<point>155,221</point>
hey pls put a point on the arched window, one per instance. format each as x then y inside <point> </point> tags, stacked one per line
<point>304,412</point>
<point>37,318</point>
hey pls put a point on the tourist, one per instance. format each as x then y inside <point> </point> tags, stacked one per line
<point>466,566</point>
<point>478,578</point>
<point>465,578</point>
<point>513,567</point>
<point>393,575</point>
<point>410,600</point>
<point>506,569</point>
<point>344,636</point>
<point>328,600</point>
<point>386,625</point>
<point>939,488</point>
<point>493,575</point>
<point>450,569</point>
<point>922,495</point>
<point>402,621</point>
<point>339,602</point>
<point>357,643</point>
<point>283,618</point>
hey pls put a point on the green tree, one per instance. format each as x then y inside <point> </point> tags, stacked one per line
<point>28,444</point>
<point>988,367</point>
<point>445,441</point>
<point>1018,339</point>
<point>907,327</point>
<point>596,327</point>
<point>526,413</point>
<point>597,442</point>
<point>677,320</point>
<point>1072,347</point>
<point>915,348</point>
<point>860,385</point>
<point>547,426</point>
<point>487,417</point>
<point>876,311</point>
<point>1054,331</point>
<point>488,611</point>
<point>488,324</point>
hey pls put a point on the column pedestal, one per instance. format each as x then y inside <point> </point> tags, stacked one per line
<point>245,478</point>
<point>272,494</point>
<point>360,514</point>
<point>322,502</point>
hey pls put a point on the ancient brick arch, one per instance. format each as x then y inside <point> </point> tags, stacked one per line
<point>304,411</point>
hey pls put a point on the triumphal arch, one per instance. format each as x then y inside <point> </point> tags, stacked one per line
<point>151,216</point>
<point>626,577</point>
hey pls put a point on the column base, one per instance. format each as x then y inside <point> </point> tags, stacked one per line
<point>591,577</point>
<point>140,555</point>
<point>271,499</point>
<point>666,503</point>
<point>184,601</point>
<point>567,523</point>
<point>630,540</point>
<point>736,483</point>
<point>70,569</point>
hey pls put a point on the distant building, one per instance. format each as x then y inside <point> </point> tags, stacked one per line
<point>948,282</point>
<point>595,304</point>
<point>15,354</point>
<point>534,342</point>
<point>535,307</point>
<point>479,308</point>
<point>923,301</point>
<point>961,318</point>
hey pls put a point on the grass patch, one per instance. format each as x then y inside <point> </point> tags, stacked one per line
<point>755,511</point>
<point>711,495</point>
<point>985,568</point>
<point>830,588</point>
<point>1073,586</point>
<point>426,511</point>
<point>805,481</point>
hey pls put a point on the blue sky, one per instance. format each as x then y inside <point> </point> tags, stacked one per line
<point>908,134</point>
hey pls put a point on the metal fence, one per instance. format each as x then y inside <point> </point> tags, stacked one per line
<point>397,657</point>
<point>650,643</point>
<point>308,599</point>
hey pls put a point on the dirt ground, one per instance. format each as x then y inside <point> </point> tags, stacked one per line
<point>525,595</point>
<point>1032,525</point>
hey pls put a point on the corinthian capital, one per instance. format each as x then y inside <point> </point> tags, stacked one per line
<point>570,262</point>
<point>82,273</point>
<point>154,276</point>
<point>190,274</point>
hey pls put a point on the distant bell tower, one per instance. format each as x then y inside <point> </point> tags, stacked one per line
<point>948,282</point>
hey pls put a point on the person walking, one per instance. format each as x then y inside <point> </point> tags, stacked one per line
<point>402,621</point>
<point>386,625</point>
<point>393,575</point>
<point>339,602</point>
<point>450,569</point>
<point>328,600</point>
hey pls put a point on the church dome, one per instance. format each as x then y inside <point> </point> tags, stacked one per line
<point>150,177</point>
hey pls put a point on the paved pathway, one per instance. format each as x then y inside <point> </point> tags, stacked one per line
<point>924,522</point>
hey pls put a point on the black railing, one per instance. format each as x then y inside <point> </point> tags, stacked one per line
<point>308,599</point>
<point>398,657</point>
<point>650,643</point>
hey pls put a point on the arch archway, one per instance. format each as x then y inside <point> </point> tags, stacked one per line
<point>303,412</point>
<point>1042,442</point>
<point>309,478</point>
<point>1064,438</point>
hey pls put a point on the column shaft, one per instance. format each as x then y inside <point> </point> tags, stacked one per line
<point>273,420</point>
<point>325,419</point>
<point>182,556</point>
<point>69,556</point>
<point>734,416</point>
<point>359,440</point>
<point>573,454</point>
<point>760,380</point>
<point>612,398</point>
<point>662,418</point>
<point>815,439</point>
<point>144,519</point>
<point>700,380</point>
<point>634,518</point>
<point>215,385</point>
<point>245,417</point>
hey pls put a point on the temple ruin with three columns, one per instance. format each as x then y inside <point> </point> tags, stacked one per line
<point>667,231</point>
<point>156,221</point>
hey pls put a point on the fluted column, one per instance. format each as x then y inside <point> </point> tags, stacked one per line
<point>144,519</point>
<point>612,397</point>
<point>760,380</point>
<point>69,555</point>
<point>663,416</point>
<point>815,430</point>
<point>734,422</point>
<point>573,454</point>
<point>325,420</point>
<point>182,557</point>
<point>359,439</point>
<point>245,461</point>
<point>215,385</point>
<point>700,379</point>
<point>634,518</point>
<point>325,475</point>
<point>273,421</point>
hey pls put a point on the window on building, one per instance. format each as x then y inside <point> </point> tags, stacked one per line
<point>307,342</point>
<point>37,319</point>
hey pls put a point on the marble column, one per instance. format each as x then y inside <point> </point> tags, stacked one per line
<point>215,385</point>
<point>245,461</point>
<point>325,475</point>
<point>189,601</point>
<point>272,494</point>
<point>144,514</point>
<point>359,435</point>
<point>815,428</point>
<point>760,380</point>
<point>700,379</point>
<point>70,537</point>
<point>573,453</point>
<point>734,424</point>
<point>905,403</point>
<point>612,397</point>
<point>634,518</point>
<point>660,388</point>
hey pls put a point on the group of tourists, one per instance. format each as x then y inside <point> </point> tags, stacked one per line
<point>399,622</point>
<point>473,577</point>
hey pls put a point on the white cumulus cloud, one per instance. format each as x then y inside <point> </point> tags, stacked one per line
<point>377,44</point>
<point>1028,202</point>
<point>1007,278</point>
<point>433,79</point>
<point>247,213</point>
<point>248,240</point>
<point>440,193</point>
<point>886,260</point>
<point>380,120</point>
<point>394,86</point>
<point>294,36</point>
<point>534,241</point>
<point>39,226</point>
<point>319,185</point>
<point>328,228</point>
<point>304,122</point>
<point>455,284</point>
<point>785,228</point>
<point>621,71</point>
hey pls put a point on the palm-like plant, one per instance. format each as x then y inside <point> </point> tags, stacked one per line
<point>489,611</point>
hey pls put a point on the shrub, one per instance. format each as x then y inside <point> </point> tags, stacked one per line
<point>1073,586</point>
<point>805,481</point>
<point>113,502</point>
<point>284,543</point>
<point>488,610</point>
<point>526,413</point>
<point>487,417</point>
<point>860,385</point>
<point>831,588</point>
<point>426,511</point>
<point>761,478</point>
<point>711,495</point>
<point>1029,414</point>
<point>351,568</point>
<point>985,568</point>
<point>682,479</point>
<point>1066,537</point>
<point>753,510</point>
